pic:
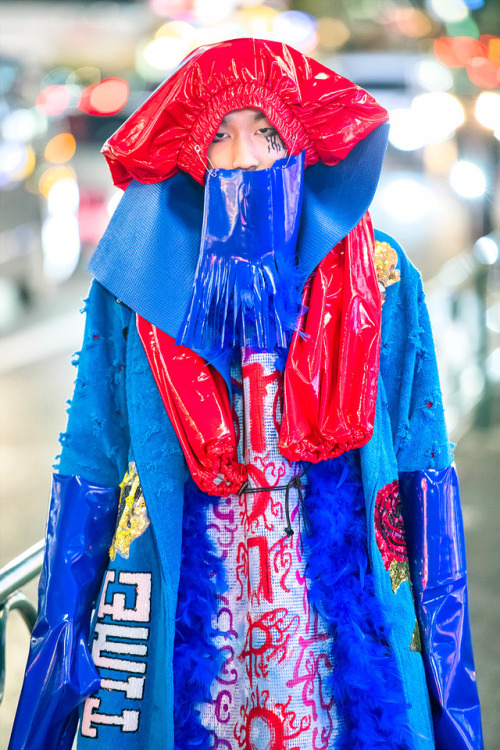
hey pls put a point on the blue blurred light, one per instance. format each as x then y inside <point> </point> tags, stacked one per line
<point>474,4</point>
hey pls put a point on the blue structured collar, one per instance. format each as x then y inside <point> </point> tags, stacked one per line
<point>149,253</point>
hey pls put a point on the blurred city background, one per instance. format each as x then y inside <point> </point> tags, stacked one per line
<point>72,72</point>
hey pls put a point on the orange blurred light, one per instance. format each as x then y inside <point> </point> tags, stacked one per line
<point>483,72</point>
<point>53,175</point>
<point>456,52</point>
<point>105,98</point>
<point>410,21</point>
<point>53,100</point>
<point>60,148</point>
<point>492,44</point>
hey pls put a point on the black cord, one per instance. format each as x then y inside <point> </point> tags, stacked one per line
<point>295,483</point>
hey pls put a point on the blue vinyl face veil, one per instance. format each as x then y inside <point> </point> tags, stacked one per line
<point>249,237</point>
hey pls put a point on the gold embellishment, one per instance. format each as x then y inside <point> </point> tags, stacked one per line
<point>386,260</point>
<point>133,517</point>
<point>416,643</point>
<point>399,572</point>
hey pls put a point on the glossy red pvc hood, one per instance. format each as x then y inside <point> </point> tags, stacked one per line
<point>195,398</point>
<point>331,374</point>
<point>314,110</point>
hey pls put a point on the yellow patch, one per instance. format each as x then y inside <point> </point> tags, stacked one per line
<point>386,260</point>
<point>133,517</point>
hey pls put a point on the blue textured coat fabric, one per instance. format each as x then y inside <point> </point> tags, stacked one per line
<point>117,414</point>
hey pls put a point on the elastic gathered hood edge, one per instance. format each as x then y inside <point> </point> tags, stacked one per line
<point>314,109</point>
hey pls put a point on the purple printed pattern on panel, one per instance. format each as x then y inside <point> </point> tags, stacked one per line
<point>271,691</point>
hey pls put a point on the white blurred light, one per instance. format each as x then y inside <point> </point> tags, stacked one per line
<point>486,250</point>
<point>63,197</point>
<point>23,125</point>
<point>61,246</point>
<point>432,118</point>
<point>488,110</point>
<point>207,12</point>
<point>407,200</point>
<point>467,179</point>
<point>165,53</point>
<point>294,27</point>
<point>448,10</point>
<point>439,114</point>
<point>114,201</point>
<point>493,318</point>
<point>405,133</point>
<point>493,365</point>
<point>434,76</point>
<point>13,157</point>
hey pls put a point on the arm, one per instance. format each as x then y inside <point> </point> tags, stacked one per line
<point>60,673</point>
<point>431,509</point>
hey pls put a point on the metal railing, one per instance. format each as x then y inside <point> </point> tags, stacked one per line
<point>13,576</point>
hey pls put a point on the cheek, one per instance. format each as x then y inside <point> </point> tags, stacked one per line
<point>273,150</point>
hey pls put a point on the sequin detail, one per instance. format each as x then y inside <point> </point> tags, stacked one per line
<point>399,572</point>
<point>133,517</point>
<point>416,643</point>
<point>386,260</point>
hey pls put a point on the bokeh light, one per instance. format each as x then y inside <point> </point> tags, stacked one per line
<point>467,179</point>
<point>483,72</point>
<point>440,157</point>
<point>53,100</point>
<point>60,148</point>
<point>456,52</point>
<point>433,76</point>
<point>298,29</point>
<point>486,250</point>
<point>165,52</point>
<point>258,20</point>
<point>410,22</point>
<point>105,98</point>
<point>407,199</point>
<point>448,10</point>
<point>27,168</point>
<point>487,110</point>
<point>332,32</point>
<point>23,125</point>
<point>433,117</point>
<point>208,13</point>
<point>13,158</point>
<point>52,175</point>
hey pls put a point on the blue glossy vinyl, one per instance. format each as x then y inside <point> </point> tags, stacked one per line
<point>248,239</point>
<point>436,549</point>
<point>60,673</point>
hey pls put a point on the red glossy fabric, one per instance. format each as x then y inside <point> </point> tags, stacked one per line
<point>195,398</point>
<point>330,378</point>
<point>314,110</point>
<point>332,373</point>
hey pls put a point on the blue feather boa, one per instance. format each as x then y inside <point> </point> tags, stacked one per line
<point>364,682</point>
<point>197,661</point>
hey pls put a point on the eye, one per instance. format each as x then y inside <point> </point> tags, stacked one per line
<point>219,137</point>
<point>268,131</point>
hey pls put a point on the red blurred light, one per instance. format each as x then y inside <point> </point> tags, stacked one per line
<point>483,72</point>
<point>456,52</point>
<point>105,98</point>
<point>52,100</point>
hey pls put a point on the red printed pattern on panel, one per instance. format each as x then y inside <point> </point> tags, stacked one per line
<point>272,690</point>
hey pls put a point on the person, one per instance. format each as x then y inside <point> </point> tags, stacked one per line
<point>255,492</point>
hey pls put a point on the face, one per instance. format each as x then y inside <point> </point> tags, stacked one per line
<point>245,140</point>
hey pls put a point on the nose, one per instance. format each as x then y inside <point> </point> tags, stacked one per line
<point>244,156</point>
